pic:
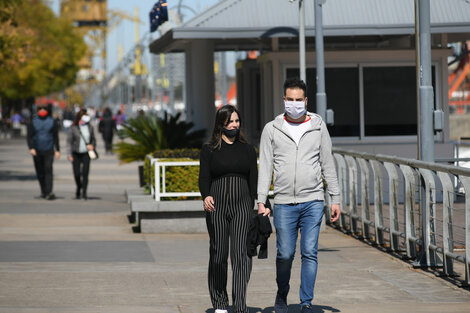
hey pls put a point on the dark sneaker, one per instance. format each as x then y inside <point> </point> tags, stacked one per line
<point>306,309</point>
<point>50,196</point>
<point>280,305</point>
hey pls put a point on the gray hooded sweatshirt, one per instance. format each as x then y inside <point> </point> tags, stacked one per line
<point>298,169</point>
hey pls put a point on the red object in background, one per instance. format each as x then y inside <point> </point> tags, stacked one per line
<point>232,92</point>
<point>459,80</point>
<point>252,54</point>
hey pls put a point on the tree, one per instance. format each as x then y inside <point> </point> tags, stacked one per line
<point>39,51</point>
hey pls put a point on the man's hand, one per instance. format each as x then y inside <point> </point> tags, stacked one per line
<point>70,158</point>
<point>32,152</point>
<point>209,204</point>
<point>57,155</point>
<point>335,212</point>
<point>263,210</point>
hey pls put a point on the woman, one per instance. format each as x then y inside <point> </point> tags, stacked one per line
<point>227,181</point>
<point>80,139</point>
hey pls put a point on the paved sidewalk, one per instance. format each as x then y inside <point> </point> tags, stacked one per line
<point>81,256</point>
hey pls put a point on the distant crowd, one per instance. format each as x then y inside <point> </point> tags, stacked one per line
<point>14,123</point>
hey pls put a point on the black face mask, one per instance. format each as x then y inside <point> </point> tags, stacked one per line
<point>230,133</point>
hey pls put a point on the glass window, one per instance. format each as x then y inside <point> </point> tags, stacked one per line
<point>342,96</point>
<point>390,101</point>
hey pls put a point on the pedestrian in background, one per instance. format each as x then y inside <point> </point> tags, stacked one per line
<point>67,119</point>
<point>80,139</point>
<point>43,143</point>
<point>297,147</point>
<point>120,119</point>
<point>107,127</point>
<point>227,181</point>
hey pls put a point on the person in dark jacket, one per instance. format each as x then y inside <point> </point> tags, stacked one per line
<point>107,127</point>
<point>43,144</point>
<point>227,181</point>
<point>80,139</point>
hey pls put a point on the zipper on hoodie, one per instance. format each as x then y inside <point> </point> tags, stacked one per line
<point>295,170</point>
<point>295,166</point>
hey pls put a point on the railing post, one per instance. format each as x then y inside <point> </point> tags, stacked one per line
<point>428,256</point>
<point>393,205</point>
<point>447,234</point>
<point>152,161</point>
<point>157,180</point>
<point>342,176</point>
<point>365,197</point>
<point>465,180</point>
<point>378,201</point>
<point>353,178</point>
<point>409,209</point>
<point>163,178</point>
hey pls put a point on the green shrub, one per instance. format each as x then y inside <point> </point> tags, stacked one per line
<point>148,133</point>
<point>188,153</point>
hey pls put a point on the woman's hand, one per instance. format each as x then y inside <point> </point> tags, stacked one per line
<point>209,204</point>
<point>90,147</point>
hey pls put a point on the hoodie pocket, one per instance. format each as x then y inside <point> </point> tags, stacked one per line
<point>282,177</point>
<point>308,178</point>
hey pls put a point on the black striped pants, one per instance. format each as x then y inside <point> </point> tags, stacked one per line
<point>233,210</point>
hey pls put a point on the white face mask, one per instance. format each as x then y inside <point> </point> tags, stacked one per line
<point>295,109</point>
<point>85,118</point>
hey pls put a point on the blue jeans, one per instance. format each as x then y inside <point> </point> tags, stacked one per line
<point>288,219</point>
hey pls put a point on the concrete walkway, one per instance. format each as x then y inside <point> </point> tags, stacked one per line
<point>81,256</point>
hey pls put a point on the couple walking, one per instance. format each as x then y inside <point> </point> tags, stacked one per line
<point>296,147</point>
<point>43,143</point>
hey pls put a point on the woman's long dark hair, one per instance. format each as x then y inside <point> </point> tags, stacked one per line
<point>222,119</point>
<point>78,116</point>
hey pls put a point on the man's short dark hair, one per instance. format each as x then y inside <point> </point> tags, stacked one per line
<point>295,82</point>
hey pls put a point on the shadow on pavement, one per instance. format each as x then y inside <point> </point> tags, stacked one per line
<point>293,308</point>
<point>13,175</point>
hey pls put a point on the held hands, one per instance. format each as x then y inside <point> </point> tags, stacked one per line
<point>209,204</point>
<point>263,210</point>
<point>335,212</point>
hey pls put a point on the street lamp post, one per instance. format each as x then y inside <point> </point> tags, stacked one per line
<point>320,60</point>
<point>302,65</point>
<point>424,81</point>
<point>303,74</point>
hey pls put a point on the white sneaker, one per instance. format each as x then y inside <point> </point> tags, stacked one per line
<point>221,311</point>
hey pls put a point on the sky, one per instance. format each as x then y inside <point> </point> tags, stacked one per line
<point>124,33</point>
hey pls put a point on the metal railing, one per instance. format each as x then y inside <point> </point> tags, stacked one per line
<point>158,185</point>
<point>417,208</point>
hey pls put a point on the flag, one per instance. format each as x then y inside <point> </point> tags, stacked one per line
<point>158,15</point>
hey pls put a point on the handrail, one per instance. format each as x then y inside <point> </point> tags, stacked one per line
<point>410,162</point>
<point>423,217</point>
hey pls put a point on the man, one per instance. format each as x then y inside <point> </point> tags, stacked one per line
<point>297,146</point>
<point>43,143</point>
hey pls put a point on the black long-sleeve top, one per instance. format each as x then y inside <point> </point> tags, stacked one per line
<point>237,159</point>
